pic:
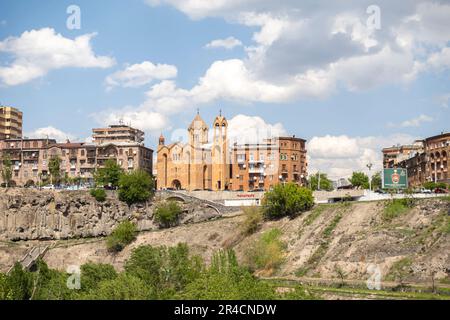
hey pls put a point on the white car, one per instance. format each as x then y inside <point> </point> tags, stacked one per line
<point>425,191</point>
<point>48,187</point>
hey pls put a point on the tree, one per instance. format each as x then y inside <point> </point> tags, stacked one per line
<point>359,180</point>
<point>167,214</point>
<point>287,200</point>
<point>19,282</point>
<point>325,183</point>
<point>164,270</point>
<point>124,287</point>
<point>136,186</point>
<point>54,166</point>
<point>109,175</point>
<point>122,235</point>
<point>7,170</point>
<point>376,181</point>
<point>93,273</point>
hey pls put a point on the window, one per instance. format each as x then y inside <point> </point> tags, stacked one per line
<point>82,152</point>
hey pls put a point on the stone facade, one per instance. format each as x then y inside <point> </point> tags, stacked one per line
<point>30,158</point>
<point>201,165</point>
<point>429,163</point>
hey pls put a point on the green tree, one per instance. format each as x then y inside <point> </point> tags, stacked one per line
<point>93,273</point>
<point>226,280</point>
<point>19,282</point>
<point>165,270</point>
<point>167,214</point>
<point>376,181</point>
<point>136,186</point>
<point>287,200</point>
<point>122,235</point>
<point>7,170</point>
<point>98,194</point>
<point>54,166</point>
<point>123,287</point>
<point>360,180</point>
<point>325,183</point>
<point>109,175</point>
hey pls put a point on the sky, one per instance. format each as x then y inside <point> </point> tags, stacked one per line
<point>349,76</point>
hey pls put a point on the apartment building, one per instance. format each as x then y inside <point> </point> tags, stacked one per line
<point>261,166</point>
<point>117,133</point>
<point>10,123</point>
<point>429,163</point>
<point>396,154</point>
<point>30,157</point>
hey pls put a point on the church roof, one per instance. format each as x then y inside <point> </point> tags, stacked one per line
<point>198,120</point>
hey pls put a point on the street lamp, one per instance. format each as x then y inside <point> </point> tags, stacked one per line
<point>370,165</point>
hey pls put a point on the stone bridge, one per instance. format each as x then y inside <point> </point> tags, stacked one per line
<point>191,201</point>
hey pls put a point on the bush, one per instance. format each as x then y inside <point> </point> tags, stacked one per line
<point>226,280</point>
<point>287,200</point>
<point>164,270</point>
<point>253,217</point>
<point>167,214</point>
<point>92,274</point>
<point>98,194</point>
<point>135,187</point>
<point>123,287</point>
<point>123,234</point>
<point>266,253</point>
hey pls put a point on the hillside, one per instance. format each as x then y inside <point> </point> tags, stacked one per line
<point>348,237</point>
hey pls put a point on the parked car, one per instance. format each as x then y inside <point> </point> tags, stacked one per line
<point>426,191</point>
<point>380,191</point>
<point>48,187</point>
<point>440,190</point>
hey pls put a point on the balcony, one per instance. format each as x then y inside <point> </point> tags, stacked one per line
<point>256,170</point>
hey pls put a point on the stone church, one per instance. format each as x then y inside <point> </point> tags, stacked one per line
<point>199,164</point>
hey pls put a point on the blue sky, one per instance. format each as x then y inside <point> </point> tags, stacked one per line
<point>359,92</point>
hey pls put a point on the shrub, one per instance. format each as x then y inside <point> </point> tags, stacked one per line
<point>287,200</point>
<point>123,287</point>
<point>226,280</point>
<point>93,273</point>
<point>122,235</point>
<point>266,253</point>
<point>164,270</point>
<point>395,208</point>
<point>167,214</point>
<point>135,187</point>
<point>253,217</point>
<point>29,184</point>
<point>98,194</point>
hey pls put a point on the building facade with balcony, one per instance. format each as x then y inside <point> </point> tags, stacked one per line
<point>261,166</point>
<point>429,163</point>
<point>30,158</point>
<point>10,123</point>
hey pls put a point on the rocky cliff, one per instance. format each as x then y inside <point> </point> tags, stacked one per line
<point>54,215</point>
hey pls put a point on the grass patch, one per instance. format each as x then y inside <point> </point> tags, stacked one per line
<point>266,253</point>
<point>315,213</point>
<point>400,270</point>
<point>394,209</point>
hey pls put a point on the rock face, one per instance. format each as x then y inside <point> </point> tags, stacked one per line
<point>53,215</point>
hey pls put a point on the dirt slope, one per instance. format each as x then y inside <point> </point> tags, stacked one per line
<point>351,237</point>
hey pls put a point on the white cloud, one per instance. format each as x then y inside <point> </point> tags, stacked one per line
<point>37,52</point>
<point>414,122</point>
<point>340,156</point>
<point>227,43</point>
<point>247,129</point>
<point>137,117</point>
<point>140,74</point>
<point>291,57</point>
<point>51,133</point>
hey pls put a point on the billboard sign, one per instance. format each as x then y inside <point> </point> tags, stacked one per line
<point>395,178</point>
